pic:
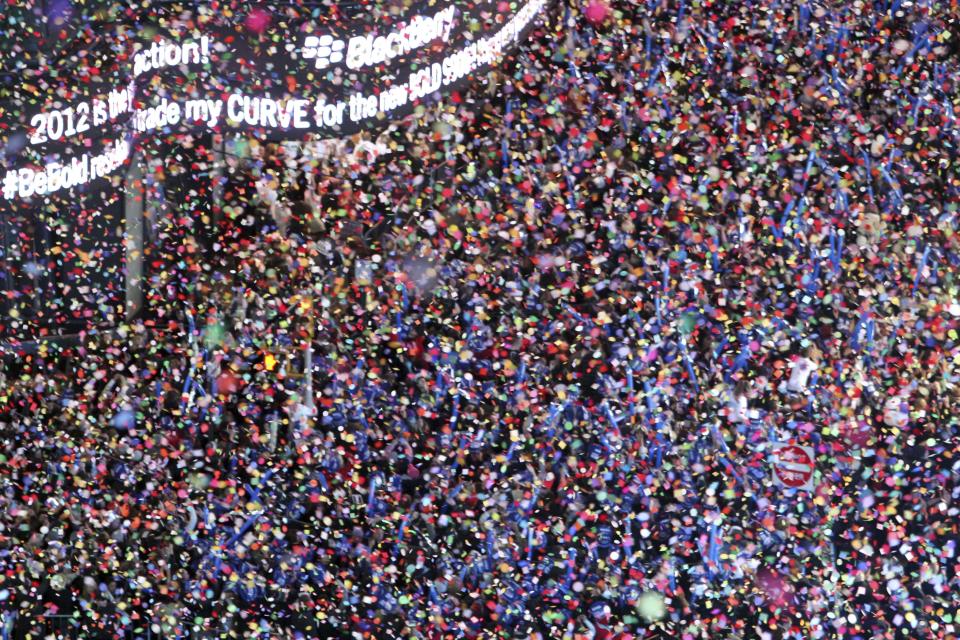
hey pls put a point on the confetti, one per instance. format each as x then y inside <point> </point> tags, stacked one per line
<point>512,365</point>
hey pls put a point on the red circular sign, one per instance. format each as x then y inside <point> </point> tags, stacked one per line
<point>793,466</point>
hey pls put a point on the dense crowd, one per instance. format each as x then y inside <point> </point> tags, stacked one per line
<point>519,376</point>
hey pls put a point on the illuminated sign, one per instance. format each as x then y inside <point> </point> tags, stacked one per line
<point>337,84</point>
<point>373,49</point>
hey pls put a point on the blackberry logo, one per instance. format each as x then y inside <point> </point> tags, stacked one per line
<point>324,49</point>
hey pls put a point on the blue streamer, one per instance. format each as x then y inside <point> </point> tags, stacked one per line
<point>371,495</point>
<point>923,264</point>
<point>867,165</point>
